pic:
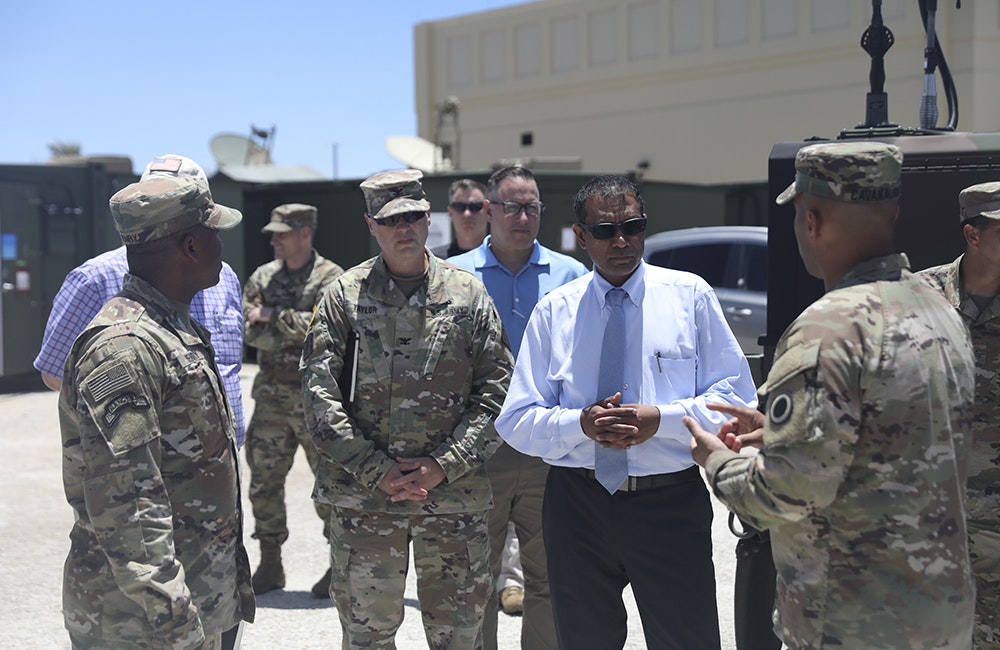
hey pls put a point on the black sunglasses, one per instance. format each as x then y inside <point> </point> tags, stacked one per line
<point>393,219</point>
<point>628,228</point>
<point>459,206</point>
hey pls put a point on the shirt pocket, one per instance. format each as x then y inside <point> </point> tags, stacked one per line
<point>447,351</point>
<point>197,408</point>
<point>227,336</point>
<point>674,378</point>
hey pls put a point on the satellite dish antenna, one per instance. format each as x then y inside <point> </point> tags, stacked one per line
<point>230,150</point>
<point>417,153</point>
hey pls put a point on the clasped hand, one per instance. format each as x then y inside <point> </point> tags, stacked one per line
<point>619,426</point>
<point>410,479</point>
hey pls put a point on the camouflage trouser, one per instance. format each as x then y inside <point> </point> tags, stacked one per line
<point>370,554</point>
<point>212,642</point>
<point>984,548</point>
<point>276,430</point>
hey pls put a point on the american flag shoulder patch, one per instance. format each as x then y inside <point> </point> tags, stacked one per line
<point>109,381</point>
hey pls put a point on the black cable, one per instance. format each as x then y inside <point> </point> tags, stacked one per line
<point>947,81</point>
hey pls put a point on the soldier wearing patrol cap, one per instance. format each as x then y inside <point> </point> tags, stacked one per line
<point>278,302</point>
<point>404,459</point>
<point>149,455</point>
<point>861,473</point>
<point>971,284</point>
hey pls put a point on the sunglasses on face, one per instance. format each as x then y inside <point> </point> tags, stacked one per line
<point>513,208</point>
<point>628,228</point>
<point>459,206</point>
<point>393,219</point>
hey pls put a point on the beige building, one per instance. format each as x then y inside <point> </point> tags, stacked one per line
<point>685,90</point>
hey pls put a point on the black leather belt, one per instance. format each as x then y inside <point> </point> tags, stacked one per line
<point>640,483</point>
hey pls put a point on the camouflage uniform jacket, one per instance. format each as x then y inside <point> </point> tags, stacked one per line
<point>150,469</point>
<point>982,502</point>
<point>862,472</point>
<point>432,374</point>
<point>294,294</point>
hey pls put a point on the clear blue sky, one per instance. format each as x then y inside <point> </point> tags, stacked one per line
<point>138,78</point>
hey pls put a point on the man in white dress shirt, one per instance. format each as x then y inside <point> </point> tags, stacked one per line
<point>652,531</point>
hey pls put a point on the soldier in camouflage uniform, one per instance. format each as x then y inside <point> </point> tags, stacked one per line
<point>149,451</point>
<point>405,460</point>
<point>971,284</point>
<point>861,475</point>
<point>278,302</point>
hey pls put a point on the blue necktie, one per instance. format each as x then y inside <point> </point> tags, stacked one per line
<point>611,465</point>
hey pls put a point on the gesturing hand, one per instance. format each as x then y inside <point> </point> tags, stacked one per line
<point>703,443</point>
<point>744,429</point>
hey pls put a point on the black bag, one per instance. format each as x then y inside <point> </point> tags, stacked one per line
<point>754,591</point>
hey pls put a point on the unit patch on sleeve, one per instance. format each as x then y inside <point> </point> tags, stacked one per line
<point>129,399</point>
<point>780,409</point>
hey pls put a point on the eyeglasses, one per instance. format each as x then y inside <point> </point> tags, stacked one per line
<point>459,206</point>
<point>513,208</point>
<point>393,219</point>
<point>628,228</point>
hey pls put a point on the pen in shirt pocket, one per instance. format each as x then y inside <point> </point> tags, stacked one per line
<point>659,368</point>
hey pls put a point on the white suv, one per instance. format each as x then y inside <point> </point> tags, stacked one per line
<point>733,259</point>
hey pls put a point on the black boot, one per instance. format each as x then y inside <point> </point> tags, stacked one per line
<point>270,575</point>
<point>322,588</point>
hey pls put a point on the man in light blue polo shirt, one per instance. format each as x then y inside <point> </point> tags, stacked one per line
<point>518,272</point>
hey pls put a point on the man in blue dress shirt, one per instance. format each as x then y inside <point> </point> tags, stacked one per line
<point>517,271</point>
<point>654,530</point>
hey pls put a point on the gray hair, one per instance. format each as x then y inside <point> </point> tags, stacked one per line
<point>606,186</point>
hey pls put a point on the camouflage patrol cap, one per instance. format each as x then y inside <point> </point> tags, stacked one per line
<point>290,216</point>
<point>856,172</point>
<point>172,164</point>
<point>982,199</point>
<point>395,192</point>
<point>163,205</point>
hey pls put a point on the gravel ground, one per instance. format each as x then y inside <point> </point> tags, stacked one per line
<point>35,521</point>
